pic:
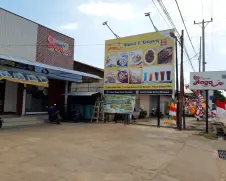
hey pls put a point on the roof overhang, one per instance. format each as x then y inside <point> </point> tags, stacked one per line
<point>81,93</point>
<point>44,69</point>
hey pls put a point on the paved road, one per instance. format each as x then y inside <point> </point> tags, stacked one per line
<point>112,152</point>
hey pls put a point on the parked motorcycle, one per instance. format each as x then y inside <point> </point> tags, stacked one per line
<point>143,114</point>
<point>54,114</point>
<point>1,122</point>
<point>154,113</point>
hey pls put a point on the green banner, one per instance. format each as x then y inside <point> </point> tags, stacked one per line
<point>119,104</point>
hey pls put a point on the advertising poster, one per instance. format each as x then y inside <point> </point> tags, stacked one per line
<point>119,104</point>
<point>140,64</point>
<point>24,78</point>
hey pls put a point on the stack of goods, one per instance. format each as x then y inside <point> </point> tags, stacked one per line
<point>172,113</point>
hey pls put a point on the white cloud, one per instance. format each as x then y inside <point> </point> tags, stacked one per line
<point>119,11</point>
<point>69,26</point>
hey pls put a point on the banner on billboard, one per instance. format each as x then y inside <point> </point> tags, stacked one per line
<point>119,104</point>
<point>140,64</point>
<point>210,80</point>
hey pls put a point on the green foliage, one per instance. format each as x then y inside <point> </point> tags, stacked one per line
<point>218,96</point>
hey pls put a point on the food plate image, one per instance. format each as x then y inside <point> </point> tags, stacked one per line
<point>6,74</point>
<point>122,76</point>
<point>32,78</point>
<point>135,76</point>
<point>110,77</point>
<point>111,60</point>
<point>122,60</point>
<point>149,57</point>
<point>136,57</point>
<point>165,56</point>
<point>18,76</point>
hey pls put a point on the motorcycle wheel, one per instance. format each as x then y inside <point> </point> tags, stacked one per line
<point>161,116</point>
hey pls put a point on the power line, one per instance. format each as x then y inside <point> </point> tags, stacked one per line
<point>174,26</point>
<point>185,26</point>
<point>160,13</point>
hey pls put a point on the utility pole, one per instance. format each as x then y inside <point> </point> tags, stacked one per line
<point>148,14</point>
<point>200,53</point>
<point>181,104</point>
<point>203,25</point>
<point>105,23</point>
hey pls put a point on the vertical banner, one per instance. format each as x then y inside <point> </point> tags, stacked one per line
<point>140,64</point>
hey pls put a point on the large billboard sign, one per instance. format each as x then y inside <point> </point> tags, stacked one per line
<point>211,80</point>
<point>140,64</point>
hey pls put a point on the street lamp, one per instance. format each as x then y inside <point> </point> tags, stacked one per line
<point>177,84</point>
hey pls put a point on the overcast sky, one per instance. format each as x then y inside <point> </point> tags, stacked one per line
<point>82,20</point>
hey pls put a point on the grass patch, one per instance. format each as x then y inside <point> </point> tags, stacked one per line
<point>211,136</point>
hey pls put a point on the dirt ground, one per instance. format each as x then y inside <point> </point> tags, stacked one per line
<point>112,152</point>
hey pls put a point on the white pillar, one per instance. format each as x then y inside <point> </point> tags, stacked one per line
<point>65,96</point>
<point>24,100</point>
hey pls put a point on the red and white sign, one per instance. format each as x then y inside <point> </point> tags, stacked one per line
<point>211,80</point>
<point>58,46</point>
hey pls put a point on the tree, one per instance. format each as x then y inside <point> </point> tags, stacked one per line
<point>217,95</point>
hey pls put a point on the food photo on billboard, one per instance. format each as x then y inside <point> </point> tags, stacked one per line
<point>140,63</point>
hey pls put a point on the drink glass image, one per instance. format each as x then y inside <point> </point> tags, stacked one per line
<point>145,76</point>
<point>156,76</point>
<point>150,77</point>
<point>168,75</point>
<point>162,73</point>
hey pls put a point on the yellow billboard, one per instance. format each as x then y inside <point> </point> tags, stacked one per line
<point>140,64</point>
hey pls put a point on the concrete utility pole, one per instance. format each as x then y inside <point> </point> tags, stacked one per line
<point>181,99</point>
<point>200,54</point>
<point>203,25</point>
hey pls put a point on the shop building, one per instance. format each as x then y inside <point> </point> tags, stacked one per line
<point>36,66</point>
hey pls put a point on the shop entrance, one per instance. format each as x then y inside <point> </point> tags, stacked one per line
<point>2,95</point>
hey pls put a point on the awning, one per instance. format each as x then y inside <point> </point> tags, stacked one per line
<point>24,78</point>
<point>81,93</point>
<point>47,70</point>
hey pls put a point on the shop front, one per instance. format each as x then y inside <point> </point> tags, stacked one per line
<point>28,87</point>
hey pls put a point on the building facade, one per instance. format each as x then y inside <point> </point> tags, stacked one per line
<point>36,66</point>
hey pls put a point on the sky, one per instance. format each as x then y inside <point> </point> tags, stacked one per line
<point>82,20</point>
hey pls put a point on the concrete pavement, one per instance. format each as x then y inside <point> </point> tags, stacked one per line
<point>83,152</point>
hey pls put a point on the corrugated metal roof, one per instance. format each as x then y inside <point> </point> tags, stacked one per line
<point>62,71</point>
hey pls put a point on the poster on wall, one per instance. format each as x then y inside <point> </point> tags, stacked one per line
<point>210,80</point>
<point>140,64</point>
<point>119,104</point>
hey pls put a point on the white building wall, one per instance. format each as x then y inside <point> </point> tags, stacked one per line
<point>89,87</point>
<point>10,102</point>
<point>15,34</point>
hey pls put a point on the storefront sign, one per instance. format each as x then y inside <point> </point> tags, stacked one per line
<point>140,64</point>
<point>24,78</point>
<point>58,46</point>
<point>211,80</point>
<point>119,104</point>
<point>12,64</point>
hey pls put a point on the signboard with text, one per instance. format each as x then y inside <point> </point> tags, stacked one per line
<point>210,80</point>
<point>140,64</point>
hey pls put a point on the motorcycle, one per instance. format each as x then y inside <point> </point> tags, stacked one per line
<point>54,114</point>
<point>154,113</point>
<point>142,114</point>
<point>1,122</point>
